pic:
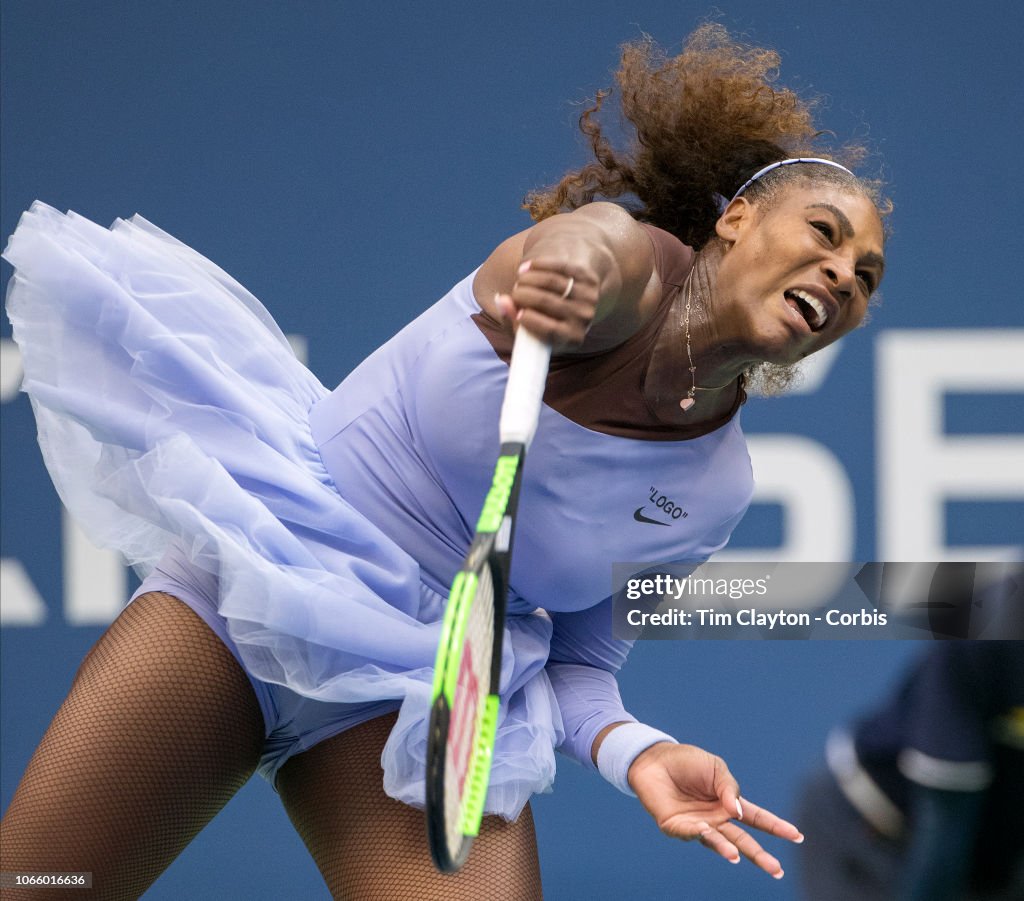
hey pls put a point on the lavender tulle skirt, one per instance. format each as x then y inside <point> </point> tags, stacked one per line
<point>171,408</point>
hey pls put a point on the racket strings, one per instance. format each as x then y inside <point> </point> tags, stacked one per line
<point>160,729</point>
<point>478,644</point>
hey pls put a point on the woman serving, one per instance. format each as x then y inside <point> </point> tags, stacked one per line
<point>298,544</point>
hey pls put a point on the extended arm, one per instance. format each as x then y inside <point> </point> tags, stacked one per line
<point>581,666</point>
<point>690,793</point>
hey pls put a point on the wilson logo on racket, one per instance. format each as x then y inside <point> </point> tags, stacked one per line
<point>464,716</point>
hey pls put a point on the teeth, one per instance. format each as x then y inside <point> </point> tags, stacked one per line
<point>820,314</point>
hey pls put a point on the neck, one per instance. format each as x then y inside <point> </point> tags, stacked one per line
<point>718,359</point>
<point>694,376</point>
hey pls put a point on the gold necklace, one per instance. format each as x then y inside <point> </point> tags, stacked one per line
<point>690,400</point>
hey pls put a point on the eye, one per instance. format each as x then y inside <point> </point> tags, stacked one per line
<point>867,280</point>
<point>826,229</point>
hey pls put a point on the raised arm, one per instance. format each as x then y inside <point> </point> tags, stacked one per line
<point>584,280</point>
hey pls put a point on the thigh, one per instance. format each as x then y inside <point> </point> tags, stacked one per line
<point>160,728</point>
<point>369,846</point>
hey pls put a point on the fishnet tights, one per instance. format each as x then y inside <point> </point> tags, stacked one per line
<point>370,847</point>
<point>160,729</point>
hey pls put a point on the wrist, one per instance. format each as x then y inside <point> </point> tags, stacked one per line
<point>621,747</point>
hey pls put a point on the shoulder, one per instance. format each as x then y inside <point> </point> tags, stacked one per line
<point>648,253</point>
<point>672,258</point>
<point>629,239</point>
<point>630,297</point>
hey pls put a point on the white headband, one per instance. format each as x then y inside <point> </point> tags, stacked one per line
<point>804,159</point>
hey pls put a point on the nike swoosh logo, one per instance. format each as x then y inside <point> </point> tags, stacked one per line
<point>639,517</point>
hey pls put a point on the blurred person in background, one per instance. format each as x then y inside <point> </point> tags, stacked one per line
<point>923,798</point>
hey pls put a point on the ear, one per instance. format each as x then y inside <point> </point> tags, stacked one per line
<point>738,216</point>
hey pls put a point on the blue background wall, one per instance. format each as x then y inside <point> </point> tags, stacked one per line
<point>349,161</point>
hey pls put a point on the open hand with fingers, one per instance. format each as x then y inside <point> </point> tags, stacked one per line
<point>692,795</point>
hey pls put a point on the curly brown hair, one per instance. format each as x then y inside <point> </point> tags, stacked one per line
<point>705,121</point>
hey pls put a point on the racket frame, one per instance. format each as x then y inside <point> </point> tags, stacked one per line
<point>489,556</point>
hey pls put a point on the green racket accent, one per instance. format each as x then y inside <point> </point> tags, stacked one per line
<point>463,730</point>
<point>453,628</point>
<point>496,502</point>
<point>476,794</point>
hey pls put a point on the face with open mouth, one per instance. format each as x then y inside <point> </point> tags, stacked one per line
<point>799,271</point>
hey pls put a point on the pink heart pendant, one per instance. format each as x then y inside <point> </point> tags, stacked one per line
<point>686,403</point>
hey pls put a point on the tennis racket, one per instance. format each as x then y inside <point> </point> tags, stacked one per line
<point>464,701</point>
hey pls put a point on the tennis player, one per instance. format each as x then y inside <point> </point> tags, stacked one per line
<point>298,543</point>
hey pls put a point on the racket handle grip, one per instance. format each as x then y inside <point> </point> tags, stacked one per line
<point>527,373</point>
